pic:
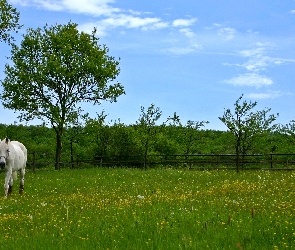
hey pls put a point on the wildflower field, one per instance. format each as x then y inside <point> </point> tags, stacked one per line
<point>154,209</point>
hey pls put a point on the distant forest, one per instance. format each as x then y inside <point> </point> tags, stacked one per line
<point>120,140</point>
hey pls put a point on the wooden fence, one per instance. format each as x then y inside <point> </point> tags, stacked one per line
<point>205,161</point>
<point>195,161</point>
<point>38,160</point>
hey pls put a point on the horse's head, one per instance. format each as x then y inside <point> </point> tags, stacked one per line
<point>4,152</point>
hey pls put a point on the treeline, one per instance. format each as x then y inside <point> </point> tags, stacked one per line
<point>122,141</point>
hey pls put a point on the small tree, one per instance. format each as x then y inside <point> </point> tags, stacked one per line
<point>54,71</point>
<point>190,134</point>
<point>288,131</point>
<point>9,18</point>
<point>245,124</point>
<point>98,133</point>
<point>146,123</point>
<point>173,121</point>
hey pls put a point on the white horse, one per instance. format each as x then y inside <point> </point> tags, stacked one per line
<point>13,157</point>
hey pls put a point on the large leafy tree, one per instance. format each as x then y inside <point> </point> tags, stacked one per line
<point>245,124</point>
<point>9,21</point>
<point>54,71</point>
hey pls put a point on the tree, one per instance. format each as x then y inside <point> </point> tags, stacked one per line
<point>288,131</point>
<point>146,123</point>
<point>54,71</point>
<point>245,124</point>
<point>189,132</point>
<point>9,18</point>
<point>191,135</point>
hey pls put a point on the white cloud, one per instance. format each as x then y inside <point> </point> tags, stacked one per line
<point>93,7</point>
<point>129,21</point>
<point>187,32</point>
<point>110,17</point>
<point>55,6</point>
<point>268,95</point>
<point>252,52</point>
<point>183,22</point>
<point>293,11</point>
<point>115,17</point>
<point>250,80</point>
<point>135,13</point>
<point>20,2</point>
<point>189,43</point>
<point>257,63</point>
<point>250,31</point>
<point>160,25</point>
<point>183,50</point>
<point>227,33</point>
<point>215,25</point>
<point>258,60</point>
<point>123,21</point>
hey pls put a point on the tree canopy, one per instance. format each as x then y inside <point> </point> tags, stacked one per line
<point>54,71</point>
<point>9,21</point>
<point>245,124</point>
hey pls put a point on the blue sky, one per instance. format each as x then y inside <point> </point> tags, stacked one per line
<point>191,57</point>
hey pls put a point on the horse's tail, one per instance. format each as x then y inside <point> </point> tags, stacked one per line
<point>14,175</point>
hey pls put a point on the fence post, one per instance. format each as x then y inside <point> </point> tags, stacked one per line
<point>271,160</point>
<point>287,163</point>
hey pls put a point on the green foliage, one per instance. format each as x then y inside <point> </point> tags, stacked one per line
<point>53,71</point>
<point>147,128</point>
<point>289,131</point>
<point>190,137</point>
<point>36,138</point>
<point>246,124</point>
<point>124,142</point>
<point>141,142</point>
<point>9,21</point>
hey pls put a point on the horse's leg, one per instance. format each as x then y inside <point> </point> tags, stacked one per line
<point>10,183</point>
<point>22,180</point>
<point>6,185</point>
<point>9,189</point>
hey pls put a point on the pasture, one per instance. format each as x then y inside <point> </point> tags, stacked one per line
<point>154,209</point>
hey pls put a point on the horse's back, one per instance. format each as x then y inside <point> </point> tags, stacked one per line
<point>21,155</point>
<point>22,147</point>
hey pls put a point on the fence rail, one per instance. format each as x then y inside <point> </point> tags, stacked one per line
<point>279,161</point>
<point>269,161</point>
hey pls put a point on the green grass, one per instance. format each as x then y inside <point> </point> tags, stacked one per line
<point>154,209</point>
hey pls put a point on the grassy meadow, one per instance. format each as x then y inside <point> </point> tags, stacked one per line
<point>154,209</point>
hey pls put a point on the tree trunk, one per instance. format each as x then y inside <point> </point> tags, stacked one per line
<point>58,149</point>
